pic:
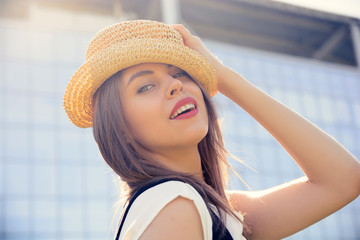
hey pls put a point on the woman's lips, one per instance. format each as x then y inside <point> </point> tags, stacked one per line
<point>187,114</point>
<point>186,104</point>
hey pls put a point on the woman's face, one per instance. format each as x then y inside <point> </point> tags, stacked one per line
<point>163,106</point>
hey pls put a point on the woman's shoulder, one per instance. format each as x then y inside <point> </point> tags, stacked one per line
<point>171,188</point>
<point>177,220</point>
<point>160,202</point>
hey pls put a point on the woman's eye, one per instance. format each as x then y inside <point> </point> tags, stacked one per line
<point>145,88</point>
<point>180,74</point>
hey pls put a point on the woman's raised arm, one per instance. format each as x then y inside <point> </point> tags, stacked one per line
<point>332,174</point>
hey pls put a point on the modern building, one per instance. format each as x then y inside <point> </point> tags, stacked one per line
<point>53,181</point>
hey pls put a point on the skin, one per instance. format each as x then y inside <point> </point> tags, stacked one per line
<point>171,221</point>
<point>332,174</point>
<point>149,93</point>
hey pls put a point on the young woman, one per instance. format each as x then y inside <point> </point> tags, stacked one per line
<point>145,88</point>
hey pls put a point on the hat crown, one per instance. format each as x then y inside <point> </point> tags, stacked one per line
<point>125,31</point>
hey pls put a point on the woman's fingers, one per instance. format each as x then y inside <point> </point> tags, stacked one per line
<point>182,29</point>
<point>190,40</point>
<point>195,43</point>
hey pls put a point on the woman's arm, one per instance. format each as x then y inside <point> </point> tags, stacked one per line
<point>332,174</point>
<point>178,220</point>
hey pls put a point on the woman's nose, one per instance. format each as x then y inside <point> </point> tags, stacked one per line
<point>176,86</point>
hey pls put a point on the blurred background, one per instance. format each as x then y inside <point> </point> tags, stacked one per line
<point>53,181</point>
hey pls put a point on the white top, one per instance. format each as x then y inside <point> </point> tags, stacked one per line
<point>150,202</point>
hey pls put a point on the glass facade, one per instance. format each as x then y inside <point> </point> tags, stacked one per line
<point>53,181</point>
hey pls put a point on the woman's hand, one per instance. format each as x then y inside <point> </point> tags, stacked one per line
<point>196,44</point>
<point>226,77</point>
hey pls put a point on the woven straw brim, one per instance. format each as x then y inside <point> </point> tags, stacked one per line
<point>89,77</point>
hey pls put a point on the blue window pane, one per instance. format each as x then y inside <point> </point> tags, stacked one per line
<point>352,85</point>
<point>287,76</point>
<point>294,101</point>
<point>2,182</point>
<point>356,111</point>
<point>71,236</point>
<point>346,221</point>
<point>17,144</point>
<point>269,159</point>
<point>43,236</point>
<point>2,215</point>
<point>336,79</point>
<point>342,111</point>
<point>72,218</point>
<point>99,237</point>
<point>44,180</point>
<point>271,71</point>
<point>16,179</point>
<point>321,82</point>
<point>305,76</point>
<point>62,74</point>
<point>16,108</point>
<point>42,78</point>
<point>69,146</point>
<point>70,181</point>
<point>326,109</point>
<point>332,230</point>
<point>45,221</point>
<point>16,75</point>
<point>17,236</point>
<point>44,145</point>
<point>310,106</point>
<point>99,216</point>
<point>43,110</point>
<point>17,216</point>
<point>2,143</point>
<point>96,181</point>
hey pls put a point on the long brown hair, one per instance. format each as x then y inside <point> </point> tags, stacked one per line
<point>128,159</point>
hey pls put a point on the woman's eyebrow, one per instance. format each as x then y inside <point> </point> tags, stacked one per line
<point>139,74</point>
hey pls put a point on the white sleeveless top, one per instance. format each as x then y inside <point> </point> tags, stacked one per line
<point>146,207</point>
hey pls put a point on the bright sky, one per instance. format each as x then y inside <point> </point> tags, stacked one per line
<point>350,8</point>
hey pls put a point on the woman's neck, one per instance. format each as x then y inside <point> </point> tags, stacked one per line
<point>185,160</point>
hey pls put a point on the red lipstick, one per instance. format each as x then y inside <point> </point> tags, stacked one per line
<point>179,112</point>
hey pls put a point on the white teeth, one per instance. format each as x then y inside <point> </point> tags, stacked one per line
<point>182,109</point>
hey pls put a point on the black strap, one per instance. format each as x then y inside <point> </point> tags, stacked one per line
<point>217,231</point>
<point>217,234</point>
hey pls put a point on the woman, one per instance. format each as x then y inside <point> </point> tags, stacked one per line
<point>145,88</point>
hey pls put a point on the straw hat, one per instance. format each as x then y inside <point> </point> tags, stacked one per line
<point>123,45</point>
